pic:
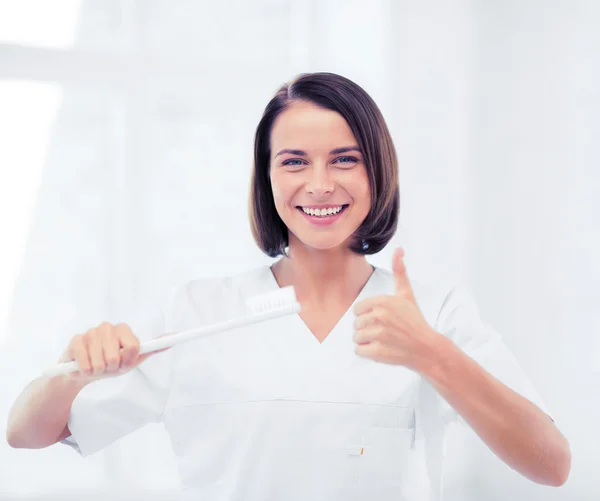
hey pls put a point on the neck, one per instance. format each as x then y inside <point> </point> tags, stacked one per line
<point>322,275</point>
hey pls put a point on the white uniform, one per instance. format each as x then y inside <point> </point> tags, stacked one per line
<point>268,413</point>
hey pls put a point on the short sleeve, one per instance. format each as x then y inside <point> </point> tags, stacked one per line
<point>460,321</point>
<point>108,409</point>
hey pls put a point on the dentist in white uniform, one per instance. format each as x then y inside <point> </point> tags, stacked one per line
<point>348,399</point>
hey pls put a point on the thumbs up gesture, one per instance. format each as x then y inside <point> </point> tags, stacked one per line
<point>392,329</point>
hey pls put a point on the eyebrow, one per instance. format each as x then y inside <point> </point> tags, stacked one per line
<point>337,151</point>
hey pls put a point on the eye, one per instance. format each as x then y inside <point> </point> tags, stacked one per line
<point>347,161</point>
<point>290,163</point>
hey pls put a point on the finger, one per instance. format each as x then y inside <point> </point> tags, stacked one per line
<point>368,334</point>
<point>365,320</point>
<point>95,350</point>
<point>130,344</point>
<point>403,286</point>
<point>373,350</point>
<point>111,350</point>
<point>366,305</point>
<point>78,351</point>
<point>372,317</point>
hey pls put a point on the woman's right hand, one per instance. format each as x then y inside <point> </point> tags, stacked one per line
<point>98,352</point>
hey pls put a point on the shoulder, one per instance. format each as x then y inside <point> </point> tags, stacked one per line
<point>213,299</point>
<point>431,297</point>
<point>244,284</point>
<point>445,305</point>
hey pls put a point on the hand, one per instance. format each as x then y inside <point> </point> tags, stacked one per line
<point>392,329</point>
<point>98,352</point>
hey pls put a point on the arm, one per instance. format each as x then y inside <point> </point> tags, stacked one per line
<point>392,329</point>
<point>39,416</point>
<point>515,429</point>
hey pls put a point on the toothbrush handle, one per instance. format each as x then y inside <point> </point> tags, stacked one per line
<point>170,340</point>
<point>73,366</point>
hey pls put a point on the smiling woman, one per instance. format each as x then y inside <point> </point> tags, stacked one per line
<point>332,396</point>
<point>323,144</point>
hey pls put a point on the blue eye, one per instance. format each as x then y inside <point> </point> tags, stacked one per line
<point>289,162</point>
<point>348,160</point>
<point>296,162</point>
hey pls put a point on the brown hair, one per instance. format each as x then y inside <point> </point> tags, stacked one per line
<point>336,93</point>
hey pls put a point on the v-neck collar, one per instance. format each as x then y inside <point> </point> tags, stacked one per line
<point>342,322</point>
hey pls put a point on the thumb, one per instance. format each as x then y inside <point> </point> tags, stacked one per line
<point>403,287</point>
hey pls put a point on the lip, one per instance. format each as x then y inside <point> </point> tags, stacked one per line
<point>323,221</point>
<point>328,206</point>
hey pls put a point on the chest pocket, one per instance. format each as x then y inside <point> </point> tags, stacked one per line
<point>383,446</point>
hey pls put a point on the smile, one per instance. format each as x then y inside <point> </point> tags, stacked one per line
<point>323,212</point>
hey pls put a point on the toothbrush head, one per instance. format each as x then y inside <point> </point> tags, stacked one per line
<point>283,299</point>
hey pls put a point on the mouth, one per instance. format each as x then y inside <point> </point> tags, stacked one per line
<point>324,212</point>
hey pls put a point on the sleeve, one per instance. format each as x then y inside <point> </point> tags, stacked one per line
<point>109,409</point>
<point>459,320</point>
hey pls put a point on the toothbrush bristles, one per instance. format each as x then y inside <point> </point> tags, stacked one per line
<point>273,301</point>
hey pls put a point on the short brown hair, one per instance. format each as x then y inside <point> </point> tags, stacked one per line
<point>336,93</point>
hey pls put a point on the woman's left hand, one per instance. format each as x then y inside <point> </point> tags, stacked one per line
<point>392,329</point>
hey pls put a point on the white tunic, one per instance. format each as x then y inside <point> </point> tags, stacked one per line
<point>268,413</point>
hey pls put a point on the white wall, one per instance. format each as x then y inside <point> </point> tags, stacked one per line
<point>134,111</point>
<point>536,237</point>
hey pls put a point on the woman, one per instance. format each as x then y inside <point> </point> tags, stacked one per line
<point>333,403</point>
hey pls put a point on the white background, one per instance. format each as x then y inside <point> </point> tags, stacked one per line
<point>126,133</point>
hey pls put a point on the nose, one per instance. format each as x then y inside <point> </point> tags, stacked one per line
<point>319,182</point>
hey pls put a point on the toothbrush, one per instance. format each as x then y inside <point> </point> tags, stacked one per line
<point>262,307</point>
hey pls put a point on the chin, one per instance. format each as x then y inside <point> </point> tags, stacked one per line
<point>323,244</point>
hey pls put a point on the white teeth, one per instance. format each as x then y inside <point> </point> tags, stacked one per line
<point>322,212</point>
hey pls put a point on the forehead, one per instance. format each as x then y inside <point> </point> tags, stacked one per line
<point>307,126</point>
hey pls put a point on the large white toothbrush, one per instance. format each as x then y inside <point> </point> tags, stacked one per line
<point>262,307</point>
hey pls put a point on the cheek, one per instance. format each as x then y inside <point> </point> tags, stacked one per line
<point>275,187</point>
<point>360,190</point>
<point>281,190</point>
<point>284,187</point>
<point>366,194</point>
